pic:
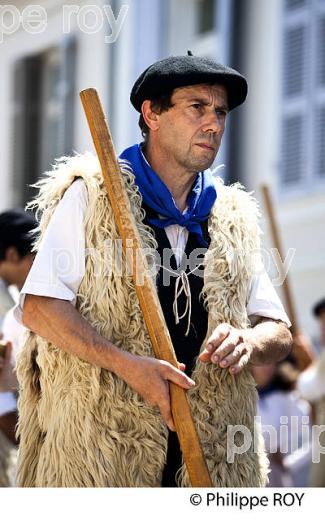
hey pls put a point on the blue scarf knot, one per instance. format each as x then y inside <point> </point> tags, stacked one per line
<point>158,197</point>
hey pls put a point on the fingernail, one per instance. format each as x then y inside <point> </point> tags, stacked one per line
<point>191,382</point>
<point>215,359</point>
<point>209,347</point>
<point>223,363</point>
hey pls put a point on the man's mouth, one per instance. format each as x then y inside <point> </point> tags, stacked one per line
<point>206,146</point>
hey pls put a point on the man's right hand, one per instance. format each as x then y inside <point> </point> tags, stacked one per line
<point>58,322</point>
<point>149,377</point>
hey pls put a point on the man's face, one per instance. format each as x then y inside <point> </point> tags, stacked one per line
<point>190,131</point>
<point>10,265</point>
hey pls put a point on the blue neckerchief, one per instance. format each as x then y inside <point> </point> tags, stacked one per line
<point>158,197</point>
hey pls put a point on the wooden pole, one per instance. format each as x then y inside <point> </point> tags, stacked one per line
<point>303,357</point>
<point>146,291</point>
<point>290,307</point>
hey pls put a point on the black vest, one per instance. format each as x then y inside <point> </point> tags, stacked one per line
<point>187,347</point>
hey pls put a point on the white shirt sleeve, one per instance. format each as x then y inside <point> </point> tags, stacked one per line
<point>59,265</point>
<point>264,301</point>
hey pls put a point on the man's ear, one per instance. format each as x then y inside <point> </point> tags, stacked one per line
<point>12,255</point>
<point>151,118</point>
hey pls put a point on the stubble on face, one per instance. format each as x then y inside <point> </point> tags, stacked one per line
<point>192,129</point>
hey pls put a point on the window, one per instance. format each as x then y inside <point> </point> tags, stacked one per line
<point>26,127</point>
<point>293,4</point>
<point>50,109</point>
<point>294,74</point>
<point>303,92</point>
<point>205,15</point>
<point>44,92</point>
<point>293,149</point>
<point>320,155</point>
<point>321,52</point>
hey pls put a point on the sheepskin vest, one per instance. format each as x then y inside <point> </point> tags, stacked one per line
<point>82,426</point>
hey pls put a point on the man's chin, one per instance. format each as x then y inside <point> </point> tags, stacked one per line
<point>200,165</point>
<point>205,160</point>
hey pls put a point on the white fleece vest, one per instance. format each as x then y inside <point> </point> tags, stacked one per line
<point>83,426</point>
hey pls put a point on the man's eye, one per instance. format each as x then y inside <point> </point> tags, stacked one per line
<point>196,106</point>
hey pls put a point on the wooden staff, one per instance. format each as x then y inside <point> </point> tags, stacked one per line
<point>303,356</point>
<point>146,291</point>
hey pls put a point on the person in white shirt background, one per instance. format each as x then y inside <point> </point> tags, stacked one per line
<point>6,300</point>
<point>311,386</point>
<point>285,418</point>
<point>16,259</point>
<point>285,392</point>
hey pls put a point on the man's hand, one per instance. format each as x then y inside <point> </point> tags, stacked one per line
<point>60,323</point>
<point>149,377</point>
<point>268,342</point>
<point>8,379</point>
<point>228,347</point>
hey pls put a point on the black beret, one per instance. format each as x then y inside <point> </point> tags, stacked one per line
<point>179,71</point>
<point>319,307</point>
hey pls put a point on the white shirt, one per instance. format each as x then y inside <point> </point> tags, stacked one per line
<point>59,265</point>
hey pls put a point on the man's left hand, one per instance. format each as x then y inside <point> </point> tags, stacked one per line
<point>228,347</point>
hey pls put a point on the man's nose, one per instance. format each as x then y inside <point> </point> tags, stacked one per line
<point>213,123</point>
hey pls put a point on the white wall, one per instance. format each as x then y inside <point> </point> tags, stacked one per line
<point>301,216</point>
<point>92,65</point>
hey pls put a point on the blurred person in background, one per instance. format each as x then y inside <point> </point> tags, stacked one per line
<point>16,259</point>
<point>6,451</point>
<point>8,416</point>
<point>6,300</point>
<point>280,407</point>
<point>311,385</point>
<point>303,353</point>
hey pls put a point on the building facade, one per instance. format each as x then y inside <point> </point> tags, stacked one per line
<point>277,137</point>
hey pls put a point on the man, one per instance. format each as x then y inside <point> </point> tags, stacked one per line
<point>94,402</point>
<point>16,258</point>
<point>311,385</point>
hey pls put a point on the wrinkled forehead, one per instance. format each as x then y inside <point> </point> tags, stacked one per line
<point>211,92</point>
